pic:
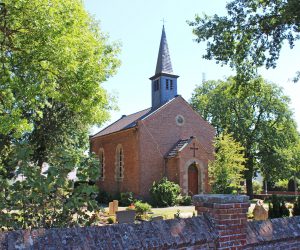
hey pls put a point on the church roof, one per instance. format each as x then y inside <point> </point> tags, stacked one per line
<point>180,145</point>
<point>163,64</point>
<point>125,122</point>
<point>130,121</point>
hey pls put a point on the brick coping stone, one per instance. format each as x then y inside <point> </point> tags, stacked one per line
<point>219,198</point>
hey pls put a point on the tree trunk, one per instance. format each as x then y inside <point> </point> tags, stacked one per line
<point>295,185</point>
<point>249,187</point>
<point>249,173</point>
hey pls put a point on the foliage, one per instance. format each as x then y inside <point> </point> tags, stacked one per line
<point>185,200</point>
<point>291,156</point>
<point>251,35</point>
<point>257,188</point>
<point>164,193</point>
<point>111,220</point>
<point>277,208</point>
<point>281,185</point>
<point>141,207</point>
<point>258,117</point>
<point>126,199</point>
<point>296,208</point>
<point>104,197</point>
<point>53,60</point>
<point>226,171</point>
<point>287,198</point>
<point>50,199</point>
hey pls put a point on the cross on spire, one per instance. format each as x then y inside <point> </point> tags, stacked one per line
<point>163,21</point>
<point>194,148</point>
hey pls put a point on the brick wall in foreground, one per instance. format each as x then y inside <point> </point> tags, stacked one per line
<point>221,225</point>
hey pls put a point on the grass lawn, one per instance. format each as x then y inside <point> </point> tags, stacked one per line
<point>168,212</point>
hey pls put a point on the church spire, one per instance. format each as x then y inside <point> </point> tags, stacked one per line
<point>164,82</point>
<point>163,64</point>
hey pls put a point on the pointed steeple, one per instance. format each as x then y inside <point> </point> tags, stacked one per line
<point>164,82</point>
<point>163,64</point>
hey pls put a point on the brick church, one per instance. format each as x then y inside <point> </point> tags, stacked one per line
<point>168,139</point>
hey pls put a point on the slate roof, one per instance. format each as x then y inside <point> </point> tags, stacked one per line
<point>130,121</point>
<point>163,64</point>
<point>125,122</point>
<point>180,145</point>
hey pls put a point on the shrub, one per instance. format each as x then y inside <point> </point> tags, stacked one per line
<point>111,220</point>
<point>257,188</point>
<point>126,199</point>
<point>185,200</point>
<point>103,197</point>
<point>142,207</point>
<point>296,208</point>
<point>277,208</point>
<point>165,193</point>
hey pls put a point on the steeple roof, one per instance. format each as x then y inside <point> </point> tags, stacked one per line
<point>163,64</point>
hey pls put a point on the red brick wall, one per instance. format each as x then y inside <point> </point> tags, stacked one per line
<point>173,171</point>
<point>159,133</point>
<point>128,139</point>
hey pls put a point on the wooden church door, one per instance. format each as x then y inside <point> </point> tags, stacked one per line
<point>192,180</point>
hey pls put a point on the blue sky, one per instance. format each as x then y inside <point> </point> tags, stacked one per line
<point>137,25</point>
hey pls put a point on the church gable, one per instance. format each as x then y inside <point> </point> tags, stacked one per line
<point>176,120</point>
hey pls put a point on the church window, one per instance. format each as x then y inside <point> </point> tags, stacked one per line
<point>167,83</point>
<point>179,120</point>
<point>171,84</point>
<point>119,168</point>
<point>101,163</point>
<point>156,85</point>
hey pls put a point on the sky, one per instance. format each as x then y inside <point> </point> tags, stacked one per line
<point>137,26</point>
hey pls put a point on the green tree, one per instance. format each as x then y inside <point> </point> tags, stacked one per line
<point>251,34</point>
<point>53,60</point>
<point>226,171</point>
<point>258,117</point>
<point>291,156</point>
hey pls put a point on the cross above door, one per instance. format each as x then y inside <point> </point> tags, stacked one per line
<point>194,148</point>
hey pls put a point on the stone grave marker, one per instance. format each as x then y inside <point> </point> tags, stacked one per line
<point>259,212</point>
<point>127,216</point>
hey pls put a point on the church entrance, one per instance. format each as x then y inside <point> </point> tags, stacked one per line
<point>192,180</point>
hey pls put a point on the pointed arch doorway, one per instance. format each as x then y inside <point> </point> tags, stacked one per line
<point>193,179</point>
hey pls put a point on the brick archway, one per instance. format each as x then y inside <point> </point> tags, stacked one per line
<point>201,176</point>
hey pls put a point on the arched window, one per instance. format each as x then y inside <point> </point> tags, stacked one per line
<point>101,163</point>
<point>119,170</point>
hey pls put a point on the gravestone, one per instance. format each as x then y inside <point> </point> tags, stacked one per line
<point>111,210</point>
<point>156,218</point>
<point>125,216</point>
<point>259,212</point>
<point>115,205</point>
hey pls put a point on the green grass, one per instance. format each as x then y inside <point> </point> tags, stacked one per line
<point>168,213</point>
